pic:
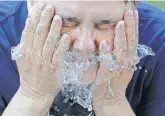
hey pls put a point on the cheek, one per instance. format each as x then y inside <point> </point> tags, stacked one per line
<point>70,33</point>
<point>107,35</point>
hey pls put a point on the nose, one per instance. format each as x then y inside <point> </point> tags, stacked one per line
<point>84,40</point>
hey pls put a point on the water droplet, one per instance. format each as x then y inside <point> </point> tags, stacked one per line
<point>55,108</point>
<point>140,67</point>
<point>65,100</point>
<point>135,68</point>
<point>146,71</point>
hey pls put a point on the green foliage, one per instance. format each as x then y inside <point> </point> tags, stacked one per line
<point>160,4</point>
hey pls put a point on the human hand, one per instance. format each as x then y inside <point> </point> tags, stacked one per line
<point>125,52</point>
<point>41,56</point>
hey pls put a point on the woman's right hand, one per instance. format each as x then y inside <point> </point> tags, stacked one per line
<point>39,65</point>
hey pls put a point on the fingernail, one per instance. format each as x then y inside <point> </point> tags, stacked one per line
<point>49,8</point>
<point>130,14</point>
<point>57,20</point>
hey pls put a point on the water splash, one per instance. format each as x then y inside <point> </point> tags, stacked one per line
<point>81,94</point>
<point>15,52</point>
<point>73,67</point>
<point>144,51</point>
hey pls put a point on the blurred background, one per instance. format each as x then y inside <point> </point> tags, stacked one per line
<point>158,3</point>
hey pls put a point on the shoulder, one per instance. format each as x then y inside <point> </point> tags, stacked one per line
<point>151,22</point>
<point>146,81</point>
<point>9,8</point>
<point>12,15</point>
<point>12,18</point>
<point>152,30</point>
<point>151,26</point>
<point>147,10</point>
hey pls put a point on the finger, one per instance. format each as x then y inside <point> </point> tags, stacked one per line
<point>103,48</point>
<point>52,39</point>
<point>60,52</point>
<point>34,20</point>
<point>105,52</point>
<point>43,29</point>
<point>130,29</point>
<point>135,52</point>
<point>120,44</point>
<point>23,50</point>
<point>30,25</point>
<point>35,16</point>
<point>136,14</point>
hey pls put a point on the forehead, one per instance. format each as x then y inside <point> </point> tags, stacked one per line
<point>96,9</point>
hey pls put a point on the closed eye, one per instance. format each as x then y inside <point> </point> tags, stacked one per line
<point>71,22</point>
<point>105,24</point>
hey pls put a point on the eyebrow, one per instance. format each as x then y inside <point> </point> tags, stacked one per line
<point>106,21</point>
<point>71,19</point>
<point>98,22</point>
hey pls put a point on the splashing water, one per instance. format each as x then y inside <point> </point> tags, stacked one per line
<point>15,52</point>
<point>144,51</point>
<point>80,94</point>
<point>71,73</point>
<point>73,67</point>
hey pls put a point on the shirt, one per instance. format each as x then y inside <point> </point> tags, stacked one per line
<point>146,90</point>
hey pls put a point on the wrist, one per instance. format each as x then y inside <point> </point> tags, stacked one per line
<point>38,102</point>
<point>105,96</point>
<point>110,105</point>
<point>118,98</point>
<point>36,95</point>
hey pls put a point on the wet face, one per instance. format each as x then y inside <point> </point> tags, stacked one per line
<point>91,22</point>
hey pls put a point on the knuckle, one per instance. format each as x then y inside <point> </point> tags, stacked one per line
<point>35,52</point>
<point>31,28</point>
<point>41,30</point>
<point>131,35</point>
<point>49,44</point>
<point>36,14</point>
<point>130,24</point>
<point>46,59</point>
